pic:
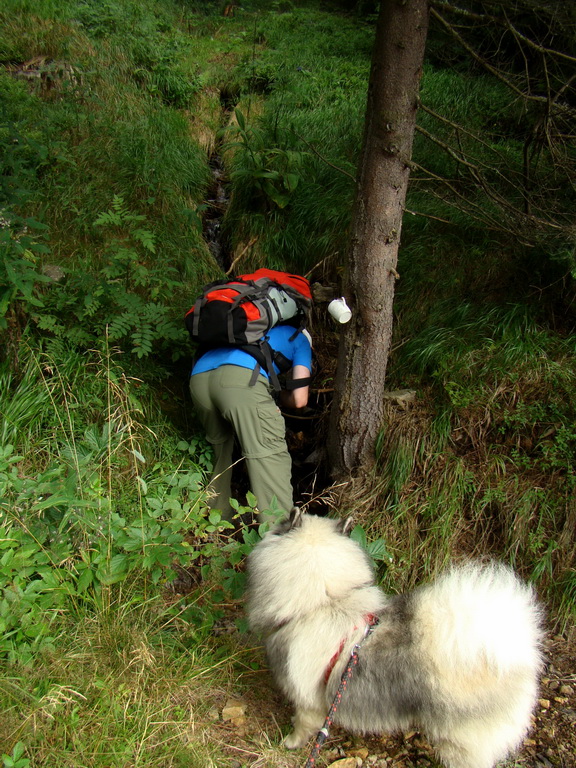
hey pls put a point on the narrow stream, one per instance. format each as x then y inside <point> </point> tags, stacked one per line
<point>218,194</point>
<point>217,202</point>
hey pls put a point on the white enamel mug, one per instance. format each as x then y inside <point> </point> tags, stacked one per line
<point>339,310</point>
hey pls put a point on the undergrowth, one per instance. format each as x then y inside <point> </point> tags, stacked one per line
<point>483,462</point>
<point>98,517</point>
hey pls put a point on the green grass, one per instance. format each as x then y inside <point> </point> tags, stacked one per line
<point>312,70</point>
<point>121,689</point>
<point>108,102</point>
<point>104,661</point>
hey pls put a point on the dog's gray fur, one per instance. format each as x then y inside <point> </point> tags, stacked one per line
<point>458,659</point>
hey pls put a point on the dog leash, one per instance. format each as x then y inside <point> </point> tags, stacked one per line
<point>324,732</point>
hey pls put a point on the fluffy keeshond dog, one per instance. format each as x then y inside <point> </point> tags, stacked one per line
<point>457,659</point>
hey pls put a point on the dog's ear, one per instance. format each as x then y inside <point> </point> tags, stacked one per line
<point>296,518</point>
<point>345,526</point>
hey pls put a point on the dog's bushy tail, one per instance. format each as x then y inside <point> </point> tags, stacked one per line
<point>481,614</point>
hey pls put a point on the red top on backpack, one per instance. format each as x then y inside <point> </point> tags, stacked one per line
<point>242,310</point>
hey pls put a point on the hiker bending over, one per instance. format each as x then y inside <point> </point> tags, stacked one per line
<point>228,404</point>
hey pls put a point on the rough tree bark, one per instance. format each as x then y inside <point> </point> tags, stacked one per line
<point>397,58</point>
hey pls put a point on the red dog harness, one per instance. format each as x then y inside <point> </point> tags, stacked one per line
<point>370,619</point>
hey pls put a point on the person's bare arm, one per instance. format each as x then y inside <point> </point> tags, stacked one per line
<point>296,398</point>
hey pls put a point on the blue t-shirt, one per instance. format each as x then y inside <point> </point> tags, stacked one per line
<point>298,351</point>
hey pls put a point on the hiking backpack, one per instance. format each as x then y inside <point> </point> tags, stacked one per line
<point>240,312</point>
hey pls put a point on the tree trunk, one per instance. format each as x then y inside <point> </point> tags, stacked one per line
<point>357,411</point>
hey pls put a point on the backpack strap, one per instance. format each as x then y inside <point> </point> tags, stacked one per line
<point>198,304</point>
<point>244,290</point>
<point>265,358</point>
<point>293,384</point>
<point>255,374</point>
<point>268,353</point>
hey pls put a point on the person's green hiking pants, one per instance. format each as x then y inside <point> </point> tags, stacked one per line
<point>226,405</point>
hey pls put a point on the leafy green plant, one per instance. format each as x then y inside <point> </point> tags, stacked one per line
<point>19,272</point>
<point>127,300</point>
<point>33,591</point>
<point>376,548</point>
<point>271,174</point>
<point>100,547</point>
<point>200,449</point>
<point>16,759</point>
<point>21,244</point>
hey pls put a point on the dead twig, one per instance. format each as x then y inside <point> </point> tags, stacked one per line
<point>241,254</point>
